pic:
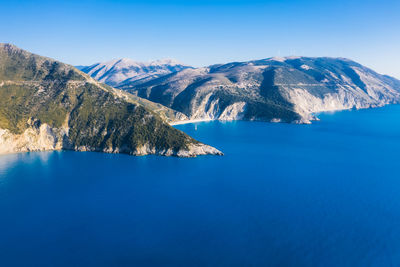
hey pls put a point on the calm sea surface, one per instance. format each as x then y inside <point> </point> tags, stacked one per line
<point>326,194</point>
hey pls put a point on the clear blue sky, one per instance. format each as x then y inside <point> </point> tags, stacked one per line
<point>206,32</point>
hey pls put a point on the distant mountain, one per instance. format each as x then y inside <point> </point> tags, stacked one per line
<point>48,105</point>
<point>120,71</point>
<point>290,89</point>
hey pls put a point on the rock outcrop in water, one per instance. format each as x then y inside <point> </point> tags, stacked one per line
<point>48,105</point>
<point>288,89</point>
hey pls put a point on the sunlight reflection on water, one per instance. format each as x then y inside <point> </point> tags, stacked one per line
<point>8,162</point>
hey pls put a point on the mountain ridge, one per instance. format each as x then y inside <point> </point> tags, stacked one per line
<point>289,89</point>
<point>117,71</point>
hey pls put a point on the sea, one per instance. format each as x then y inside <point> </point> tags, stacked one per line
<point>325,194</point>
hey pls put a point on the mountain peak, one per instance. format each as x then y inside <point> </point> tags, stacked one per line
<point>128,62</point>
<point>167,61</point>
<point>5,45</point>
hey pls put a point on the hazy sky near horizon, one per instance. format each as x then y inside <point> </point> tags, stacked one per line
<point>206,32</point>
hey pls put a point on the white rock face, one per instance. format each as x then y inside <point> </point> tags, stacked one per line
<point>206,110</point>
<point>209,109</point>
<point>233,112</point>
<point>347,96</point>
<point>375,88</point>
<point>230,113</point>
<point>199,149</point>
<point>32,139</point>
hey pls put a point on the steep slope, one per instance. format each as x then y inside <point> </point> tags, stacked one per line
<point>120,71</point>
<point>276,89</point>
<point>47,105</point>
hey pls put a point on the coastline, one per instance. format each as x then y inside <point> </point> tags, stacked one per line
<point>188,121</point>
<point>308,121</point>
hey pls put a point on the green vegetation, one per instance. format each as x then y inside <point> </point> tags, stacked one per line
<point>18,103</point>
<point>59,95</point>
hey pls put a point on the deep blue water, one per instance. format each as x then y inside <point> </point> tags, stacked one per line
<point>326,194</point>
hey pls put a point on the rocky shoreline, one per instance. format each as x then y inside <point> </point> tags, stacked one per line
<point>45,138</point>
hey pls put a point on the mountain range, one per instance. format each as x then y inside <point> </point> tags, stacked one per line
<point>48,105</point>
<point>289,89</point>
<point>120,71</point>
